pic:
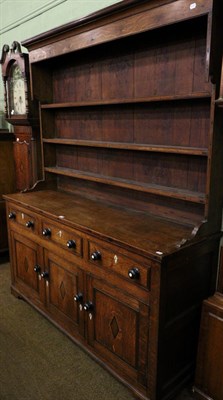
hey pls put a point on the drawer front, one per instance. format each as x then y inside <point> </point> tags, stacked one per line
<point>28,220</point>
<point>125,265</point>
<point>62,236</point>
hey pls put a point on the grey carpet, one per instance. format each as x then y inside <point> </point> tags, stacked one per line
<point>38,362</point>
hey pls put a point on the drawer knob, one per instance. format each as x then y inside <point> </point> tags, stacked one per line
<point>30,224</point>
<point>78,297</point>
<point>46,232</point>
<point>96,255</point>
<point>88,306</point>
<point>37,269</point>
<point>71,244</point>
<point>45,275</point>
<point>12,215</point>
<point>133,273</point>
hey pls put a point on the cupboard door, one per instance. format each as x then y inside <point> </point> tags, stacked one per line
<point>26,267</point>
<point>118,329</point>
<point>64,293</point>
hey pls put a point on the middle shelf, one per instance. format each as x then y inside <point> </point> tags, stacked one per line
<point>196,151</point>
<point>181,194</point>
<point>120,101</point>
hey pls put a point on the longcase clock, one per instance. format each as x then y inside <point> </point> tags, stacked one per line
<point>20,111</point>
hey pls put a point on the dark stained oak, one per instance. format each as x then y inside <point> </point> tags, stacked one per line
<point>128,146</point>
<point>148,233</point>
<point>113,307</point>
<point>117,244</point>
<point>209,371</point>
<point>150,99</point>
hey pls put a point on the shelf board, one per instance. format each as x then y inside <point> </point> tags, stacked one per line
<point>196,151</point>
<point>181,194</point>
<point>101,102</point>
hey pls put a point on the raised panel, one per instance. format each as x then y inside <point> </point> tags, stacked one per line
<point>26,255</point>
<point>118,329</point>
<point>64,282</point>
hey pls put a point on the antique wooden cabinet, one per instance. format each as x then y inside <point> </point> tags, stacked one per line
<point>209,371</point>
<point>118,243</point>
<point>209,366</point>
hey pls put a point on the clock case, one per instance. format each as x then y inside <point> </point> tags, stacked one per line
<point>10,57</point>
<point>26,145</point>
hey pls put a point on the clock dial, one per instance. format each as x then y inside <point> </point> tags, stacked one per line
<point>17,92</point>
<point>19,99</point>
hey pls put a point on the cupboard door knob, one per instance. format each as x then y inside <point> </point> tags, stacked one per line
<point>12,215</point>
<point>78,297</point>
<point>88,306</point>
<point>71,244</point>
<point>29,224</point>
<point>133,273</point>
<point>37,269</point>
<point>45,275</point>
<point>96,255</point>
<point>46,232</point>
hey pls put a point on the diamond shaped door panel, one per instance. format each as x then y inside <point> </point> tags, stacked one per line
<point>27,258</point>
<point>118,328</point>
<point>63,282</point>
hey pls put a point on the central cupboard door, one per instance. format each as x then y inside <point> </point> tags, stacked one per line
<point>64,282</point>
<point>118,329</point>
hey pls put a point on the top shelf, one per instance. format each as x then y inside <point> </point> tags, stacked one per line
<point>191,96</point>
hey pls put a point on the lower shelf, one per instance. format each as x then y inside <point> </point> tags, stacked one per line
<point>186,195</point>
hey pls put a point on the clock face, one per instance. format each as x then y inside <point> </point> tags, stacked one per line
<point>17,92</point>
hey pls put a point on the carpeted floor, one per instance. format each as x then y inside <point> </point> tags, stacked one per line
<point>38,362</point>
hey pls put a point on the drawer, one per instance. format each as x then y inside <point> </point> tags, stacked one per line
<point>123,264</point>
<point>63,236</point>
<point>28,220</point>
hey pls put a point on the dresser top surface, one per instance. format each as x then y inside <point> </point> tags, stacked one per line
<point>149,234</point>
